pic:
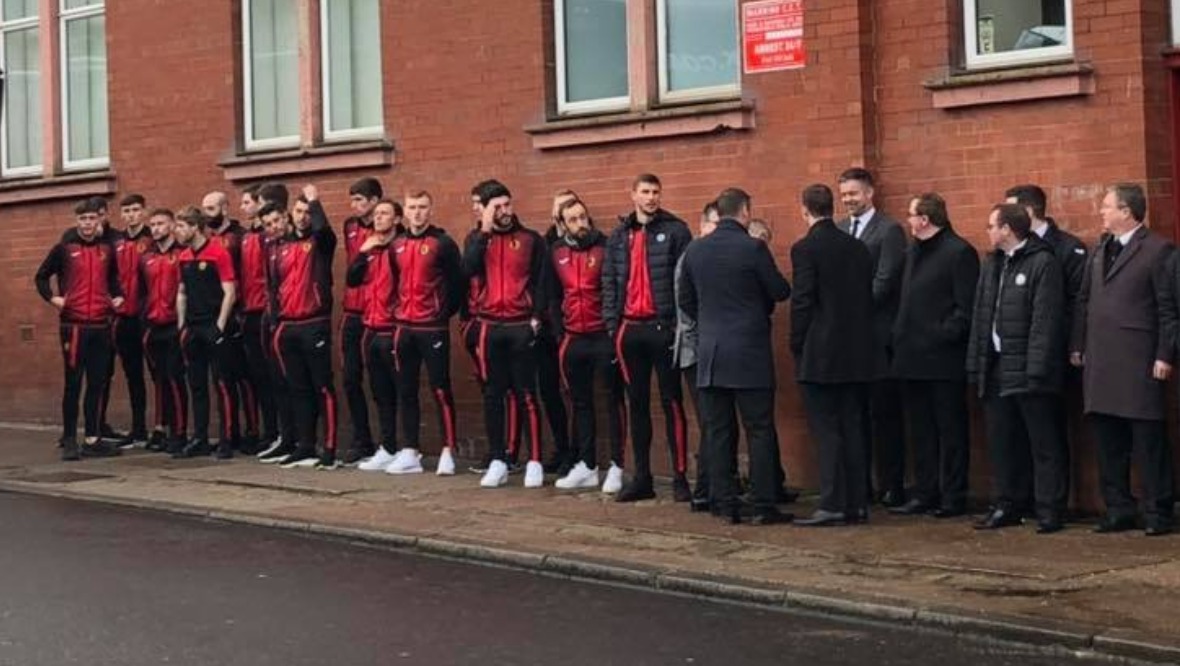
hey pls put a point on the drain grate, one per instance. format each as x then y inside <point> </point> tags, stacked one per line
<point>65,477</point>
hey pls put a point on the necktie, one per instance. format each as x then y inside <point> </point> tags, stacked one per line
<point>852,229</point>
<point>1113,249</point>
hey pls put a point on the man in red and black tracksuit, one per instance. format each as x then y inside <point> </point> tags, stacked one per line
<point>574,280</point>
<point>301,269</point>
<point>509,259</point>
<point>129,245</point>
<point>375,271</point>
<point>233,373</point>
<point>257,393</point>
<point>88,292</point>
<point>277,225</point>
<point>159,284</point>
<point>204,311</point>
<point>430,290</point>
<point>363,196</point>
<point>640,311</point>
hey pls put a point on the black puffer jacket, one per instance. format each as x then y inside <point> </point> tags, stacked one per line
<point>667,238</point>
<point>1028,312</point>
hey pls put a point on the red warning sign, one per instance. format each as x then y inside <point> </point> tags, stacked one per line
<point>772,36</point>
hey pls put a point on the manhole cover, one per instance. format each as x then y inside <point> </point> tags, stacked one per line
<point>65,477</point>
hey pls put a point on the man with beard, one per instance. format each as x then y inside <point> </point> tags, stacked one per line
<point>159,283</point>
<point>507,258</point>
<point>277,225</point>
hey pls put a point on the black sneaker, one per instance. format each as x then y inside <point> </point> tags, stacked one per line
<point>680,490</point>
<point>136,438</point>
<point>301,457</point>
<point>157,442</point>
<point>358,452</point>
<point>69,449</point>
<point>175,447</point>
<point>638,488</point>
<point>196,449</point>
<point>276,451</point>
<point>481,466</point>
<point>557,462</point>
<point>98,449</point>
<point>327,461</point>
<point>248,445</point>
<point>225,451</point>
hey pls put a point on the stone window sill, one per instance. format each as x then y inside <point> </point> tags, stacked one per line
<point>64,186</point>
<point>329,157</point>
<point>978,88</point>
<point>656,123</point>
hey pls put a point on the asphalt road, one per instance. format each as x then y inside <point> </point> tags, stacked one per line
<point>86,584</point>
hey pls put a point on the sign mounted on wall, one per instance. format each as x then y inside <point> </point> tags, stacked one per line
<point>772,36</point>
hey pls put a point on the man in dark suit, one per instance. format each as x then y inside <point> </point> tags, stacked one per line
<point>929,349</point>
<point>886,242</point>
<point>729,285</point>
<point>832,341</point>
<point>1124,337</point>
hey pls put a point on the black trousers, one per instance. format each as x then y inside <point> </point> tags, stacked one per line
<point>413,348</point>
<point>583,356</point>
<point>206,351</point>
<point>306,354</point>
<point>352,366</point>
<point>128,336</point>
<point>937,415</point>
<point>1118,438</point>
<point>166,363</point>
<point>835,415</point>
<point>472,331</point>
<point>885,438</point>
<point>284,407</point>
<point>549,390</point>
<point>643,348</point>
<point>720,408</point>
<point>1030,464</point>
<point>383,383</point>
<point>257,393</point>
<point>507,355</point>
<point>86,350</point>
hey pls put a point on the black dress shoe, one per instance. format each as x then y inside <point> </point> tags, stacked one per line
<point>680,490</point>
<point>785,495</point>
<point>770,517</point>
<point>893,498</point>
<point>1158,529</point>
<point>635,490</point>
<point>952,511</point>
<point>914,507</point>
<point>822,518</point>
<point>1112,525</point>
<point>1049,526</point>
<point>699,505</point>
<point>998,518</point>
<point>196,449</point>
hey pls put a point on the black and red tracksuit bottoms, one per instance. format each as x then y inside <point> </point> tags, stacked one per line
<point>86,350</point>
<point>352,367</point>
<point>305,353</point>
<point>507,361</point>
<point>471,331</point>
<point>643,347</point>
<point>258,395</point>
<point>378,344</point>
<point>128,337</point>
<point>582,356</point>
<point>284,407</point>
<point>414,347</point>
<point>161,347</point>
<point>208,350</point>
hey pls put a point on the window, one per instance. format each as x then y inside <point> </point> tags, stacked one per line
<point>591,39</point>
<point>1015,32</point>
<point>698,49</point>
<point>20,58</point>
<point>351,39</point>
<point>271,29</point>
<point>84,84</point>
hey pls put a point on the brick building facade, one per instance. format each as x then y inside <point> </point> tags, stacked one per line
<point>216,94</point>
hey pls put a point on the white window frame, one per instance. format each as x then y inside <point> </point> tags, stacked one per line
<point>1175,22</point>
<point>352,134</point>
<point>95,8</point>
<point>252,144</point>
<point>976,60</point>
<point>728,91</point>
<point>6,27</point>
<point>564,106</point>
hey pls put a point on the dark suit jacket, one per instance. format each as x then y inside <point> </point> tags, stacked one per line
<point>832,309</point>
<point>729,284</point>
<point>1123,322</point>
<point>887,243</point>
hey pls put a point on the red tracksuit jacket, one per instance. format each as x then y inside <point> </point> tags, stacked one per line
<point>87,278</point>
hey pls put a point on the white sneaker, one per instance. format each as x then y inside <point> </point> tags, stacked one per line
<point>580,476</point>
<point>534,475</point>
<point>614,480</point>
<point>496,476</point>
<point>407,461</point>
<point>446,463</point>
<point>378,462</point>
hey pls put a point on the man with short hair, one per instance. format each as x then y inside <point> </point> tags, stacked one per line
<point>258,394</point>
<point>204,312</point>
<point>276,225</point>
<point>1124,339</point>
<point>87,294</point>
<point>1016,357</point>
<point>129,244</point>
<point>639,305</point>
<point>159,283</point>
<point>729,286</point>
<point>929,347</point>
<point>886,241</point>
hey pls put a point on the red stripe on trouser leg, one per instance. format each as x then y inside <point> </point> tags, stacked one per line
<point>276,345</point>
<point>619,353</point>
<point>448,418</point>
<point>481,350</point>
<point>513,424</point>
<point>179,410</point>
<point>226,435</point>
<point>530,405</point>
<point>366,338</point>
<point>397,361</point>
<point>561,351</point>
<point>330,421</point>
<point>681,447</point>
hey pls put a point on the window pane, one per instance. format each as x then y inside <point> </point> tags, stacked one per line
<point>78,4</point>
<point>1017,25</point>
<point>86,88</point>
<point>22,99</point>
<point>354,64</point>
<point>274,67</point>
<point>702,44</point>
<point>18,9</point>
<point>595,49</point>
